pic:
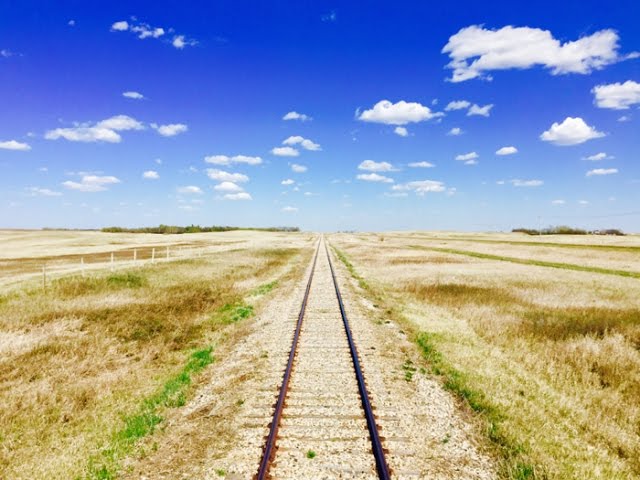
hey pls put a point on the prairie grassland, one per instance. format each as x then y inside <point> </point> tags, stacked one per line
<point>88,368</point>
<point>549,357</point>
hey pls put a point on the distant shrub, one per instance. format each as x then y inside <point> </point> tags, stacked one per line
<point>173,229</point>
<point>566,230</point>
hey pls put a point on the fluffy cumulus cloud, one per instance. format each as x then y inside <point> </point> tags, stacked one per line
<point>228,187</point>
<point>601,171</point>
<point>457,105</point>
<point>400,113</point>
<point>374,177</point>
<point>237,196</point>
<point>103,131</point>
<point>421,165</point>
<point>401,131</point>
<point>143,30</point>
<point>420,187</point>
<point>526,183</point>
<point>171,129</point>
<point>287,181</point>
<point>478,110</point>
<point>617,96</point>
<point>223,176</point>
<point>91,183</point>
<point>598,156</point>
<point>15,145</point>
<point>226,160</point>
<point>296,168</point>
<point>371,166</point>
<point>285,152</point>
<point>303,142</point>
<point>190,190</point>
<point>474,51</point>
<point>297,116</point>
<point>133,95</point>
<point>455,131</point>
<point>151,175</point>
<point>571,131</point>
<point>506,151</point>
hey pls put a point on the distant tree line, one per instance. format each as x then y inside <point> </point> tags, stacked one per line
<point>565,230</point>
<point>173,229</point>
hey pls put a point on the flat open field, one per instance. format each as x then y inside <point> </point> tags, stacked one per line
<point>485,355</point>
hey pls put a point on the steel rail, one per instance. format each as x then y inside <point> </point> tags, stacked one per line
<point>376,443</point>
<point>269,449</point>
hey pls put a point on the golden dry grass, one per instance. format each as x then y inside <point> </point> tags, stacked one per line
<point>76,361</point>
<point>550,357</point>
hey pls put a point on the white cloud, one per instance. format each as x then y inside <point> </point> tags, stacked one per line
<point>228,187</point>
<point>329,17</point>
<point>45,192</point>
<point>288,181</point>
<point>583,202</point>
<point>298,168</point>
<point>15,145</point>
<point>617,96</point>
<point>571,131</point>
<point>91,183</point>
<point>474,51</point>
<point>396,194</point>
<point>190,190</point>
<point>285,152</point>
<point>180,41</point>
<point>478,110</point>
<point>602,171</point>
<point>222,176</point>
<point>121,26</point>
<point>133,95</point>
<point>171,129</point>
<point>297,116</point>
<point>467,156</point>
<point>457,105</point>
<point>598,156</point>
<point>507,151</point>
<point>238,196</point>
<point>399,113</point>
<point>374,177</point>
<point>372,166</point>
<point>303,142</point>
<point>526,183</point>
<point>421,187</point>
<point>289,209</point>
<point>421,165</point>
<point>151,175</point>
<point>624,118</point>
<point>71,23</point>
<point>103,131</point>
<point>558,202</point>
<point>226,160</point>
<point>455,131</point>
<point>401,131</point>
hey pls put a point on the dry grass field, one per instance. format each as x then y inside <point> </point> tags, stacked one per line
<point>539,335</point>
<point>89,365</point>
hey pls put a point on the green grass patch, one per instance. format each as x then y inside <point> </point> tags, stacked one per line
<point>311,454</point>
<point>515,465</point>
<point>539,263</point>
<point>264,289</point>
<point>361,281</point>
<point>105,465</point>
<point>233,313</point>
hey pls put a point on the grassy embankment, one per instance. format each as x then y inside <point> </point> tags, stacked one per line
<point>91,367</point>
<point>558,387</point>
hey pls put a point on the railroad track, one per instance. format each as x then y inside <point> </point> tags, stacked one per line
<point>323,407</point>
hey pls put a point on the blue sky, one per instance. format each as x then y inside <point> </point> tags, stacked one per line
<point>173,112</point>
